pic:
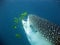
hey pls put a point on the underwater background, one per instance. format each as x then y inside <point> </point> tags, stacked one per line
<point>10,9</point>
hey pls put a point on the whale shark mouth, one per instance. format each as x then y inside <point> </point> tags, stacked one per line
<point>26,25</point>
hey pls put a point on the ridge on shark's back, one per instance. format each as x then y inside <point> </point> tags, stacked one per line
<point>40,31</point>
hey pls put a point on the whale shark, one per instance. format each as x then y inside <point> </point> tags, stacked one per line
<point>40,31</point>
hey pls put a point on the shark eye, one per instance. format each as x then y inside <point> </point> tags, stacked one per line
<point>33,29</point>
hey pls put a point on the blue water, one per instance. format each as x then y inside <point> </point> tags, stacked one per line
<point>48,9</point>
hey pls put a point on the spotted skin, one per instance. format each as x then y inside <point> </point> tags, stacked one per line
<point>49,30</point>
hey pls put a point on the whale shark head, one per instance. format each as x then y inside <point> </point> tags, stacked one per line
<point>40,31</point>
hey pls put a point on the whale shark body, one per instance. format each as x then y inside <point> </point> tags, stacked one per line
<point>40,31</point>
